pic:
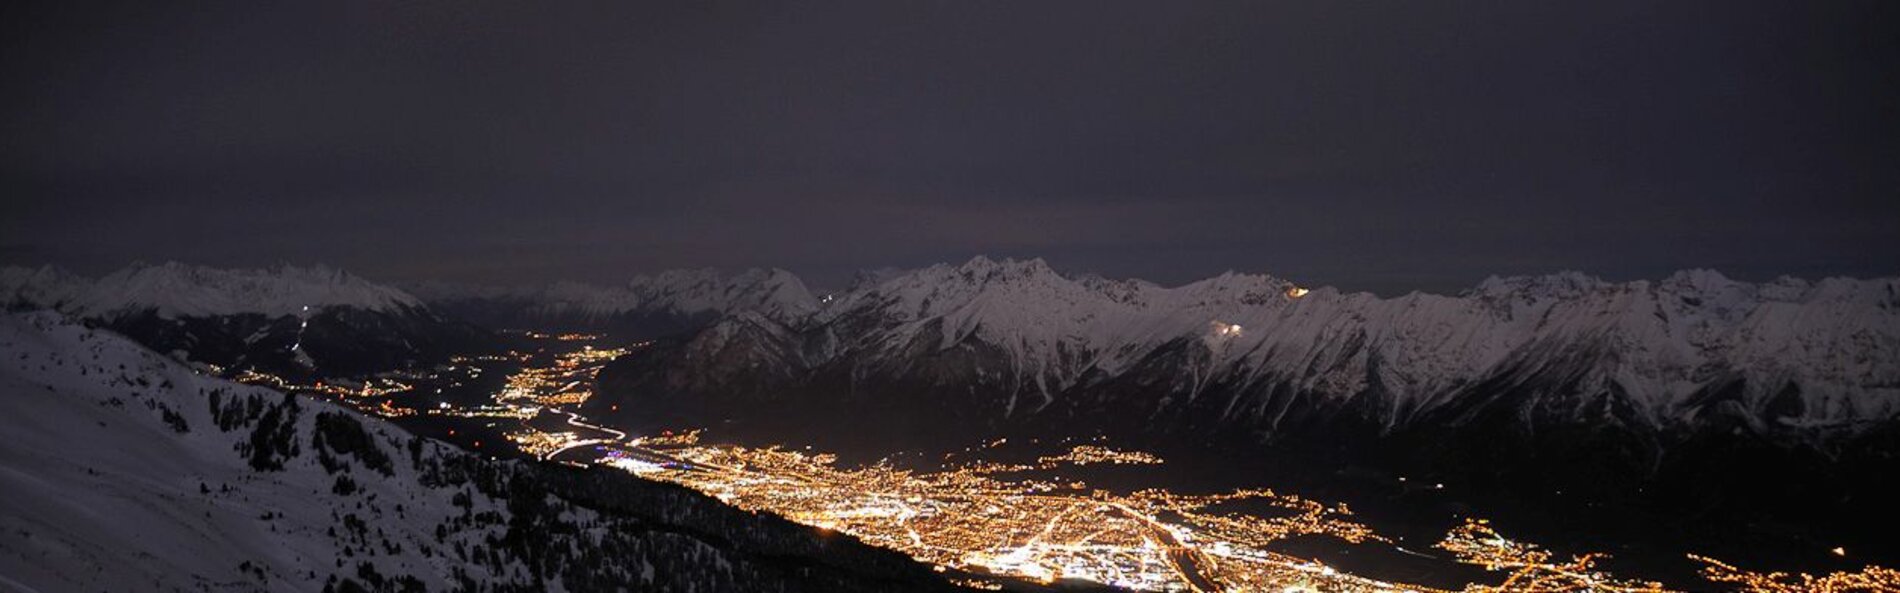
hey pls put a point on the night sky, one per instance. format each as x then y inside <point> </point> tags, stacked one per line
<point>1382,146</point>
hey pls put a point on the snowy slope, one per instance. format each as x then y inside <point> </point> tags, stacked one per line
<point>123,470</point>
<point>104,494</point>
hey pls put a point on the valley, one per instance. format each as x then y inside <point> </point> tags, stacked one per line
<point>992,515</point>
<point>1006,425</point>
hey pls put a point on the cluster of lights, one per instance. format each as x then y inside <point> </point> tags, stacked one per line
<point>569,381</point>
<point>1079,455</point>
<point>487,411</point>
<point>511,356</point>
<point>369,396</point>
<point>563,337</point>
<point>1531,568</point>
<point>389,409</point>
<point>1226,330</point>
<point>1087,454</point>
<point>545,444</point>
<point>968,518</point>
<point>368,388</point>
<point>1868,580</point>
<point>685,438</point>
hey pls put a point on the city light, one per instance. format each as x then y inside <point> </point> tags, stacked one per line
<point>991,519</point>
<point>1226,330</point>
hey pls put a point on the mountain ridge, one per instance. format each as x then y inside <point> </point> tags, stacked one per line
<point>288,320</point>
<point>173,290</point>
<point>1657,344</point>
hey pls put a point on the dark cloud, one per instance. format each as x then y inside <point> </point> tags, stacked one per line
<point>1382,146</point>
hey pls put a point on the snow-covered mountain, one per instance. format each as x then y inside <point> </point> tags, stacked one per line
<point>666,303</point>
<point>286,320</point>
<point>173,290</point>
<point>1658,343</point>
<point>124,470</point>
<point>990,345</point>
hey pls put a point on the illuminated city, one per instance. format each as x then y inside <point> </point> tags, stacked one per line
<point>991,520</point>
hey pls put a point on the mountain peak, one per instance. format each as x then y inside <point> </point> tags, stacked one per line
<point>770,290</point>
<point>983,268</point>
<point>1563,285</point>
<point>174,289</point>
